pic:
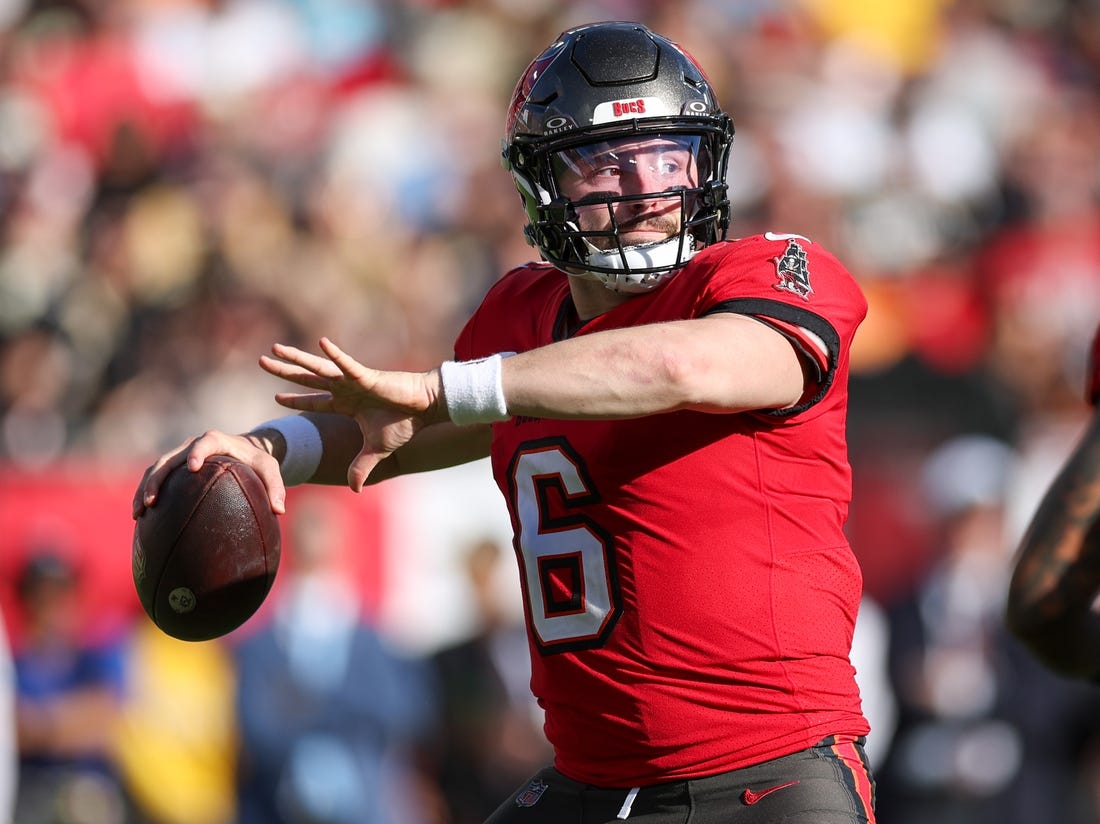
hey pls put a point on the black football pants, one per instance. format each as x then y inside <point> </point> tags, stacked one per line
<point>827,784</point>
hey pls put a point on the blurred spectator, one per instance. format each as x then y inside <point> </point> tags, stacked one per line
<point>1041,269</point>
<point>871,658</point>
<point>177,736</point>
<point>68,703</point>
<point>331,719</point>
<point>9,773</point>
<point>986,735</point>
<point>490,737</point>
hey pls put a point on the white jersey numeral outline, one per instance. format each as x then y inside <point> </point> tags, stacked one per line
<point>570,585</point>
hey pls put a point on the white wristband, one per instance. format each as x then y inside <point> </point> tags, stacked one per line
<point>303,447</point>
<point>474,391</point>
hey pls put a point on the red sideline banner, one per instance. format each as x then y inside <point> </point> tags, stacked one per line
<point>81,510</point>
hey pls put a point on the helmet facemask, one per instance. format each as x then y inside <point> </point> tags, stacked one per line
<point>630,210</point>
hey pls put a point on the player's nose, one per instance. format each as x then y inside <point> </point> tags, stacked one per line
<point>643,179</point>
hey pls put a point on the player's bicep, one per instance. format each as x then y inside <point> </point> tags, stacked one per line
<point>756,366</point>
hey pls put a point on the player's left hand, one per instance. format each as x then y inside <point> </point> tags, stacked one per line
<point>390,407</point>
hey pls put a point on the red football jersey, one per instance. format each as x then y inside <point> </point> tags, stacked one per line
<point>689,592</point>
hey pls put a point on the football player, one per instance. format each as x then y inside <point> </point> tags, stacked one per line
<point>665,413</point>
<point>1056,579</point>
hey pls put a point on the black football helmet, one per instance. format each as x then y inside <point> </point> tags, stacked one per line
<point>597,86</point>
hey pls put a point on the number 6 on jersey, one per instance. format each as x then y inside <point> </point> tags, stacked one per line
<point>567,560</point>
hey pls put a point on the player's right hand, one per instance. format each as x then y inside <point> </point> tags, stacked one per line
<point>1092,387</point>
<point>193,452</point>
<point>389,407</point>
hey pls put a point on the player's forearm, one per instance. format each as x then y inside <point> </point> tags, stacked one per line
<point>1057,571</point>
<point>340,442</point>
<point>720,364</point>
<point>437,446</point>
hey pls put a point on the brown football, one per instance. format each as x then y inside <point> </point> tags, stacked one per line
<point>205,554</point>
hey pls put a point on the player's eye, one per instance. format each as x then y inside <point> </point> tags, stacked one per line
<point>610,170</point>
<point>668,166</point>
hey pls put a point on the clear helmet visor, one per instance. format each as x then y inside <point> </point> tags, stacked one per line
<point>629,165</point>
<point>632,190</point>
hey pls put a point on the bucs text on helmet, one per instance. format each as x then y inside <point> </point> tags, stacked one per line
<point>607,91</point>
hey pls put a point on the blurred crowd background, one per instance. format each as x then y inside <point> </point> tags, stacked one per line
<point>185,182</point>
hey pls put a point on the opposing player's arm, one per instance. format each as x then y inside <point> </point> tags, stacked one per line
<point>1056,578</point>
<point>719,363</point>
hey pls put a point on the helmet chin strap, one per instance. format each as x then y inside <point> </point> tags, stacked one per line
<point>662,256</point>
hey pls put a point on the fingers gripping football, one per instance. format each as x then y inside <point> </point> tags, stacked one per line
<point>194,452</point>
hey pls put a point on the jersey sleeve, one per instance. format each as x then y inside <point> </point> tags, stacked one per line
<point>513,314</point>
<point>799,289</point>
